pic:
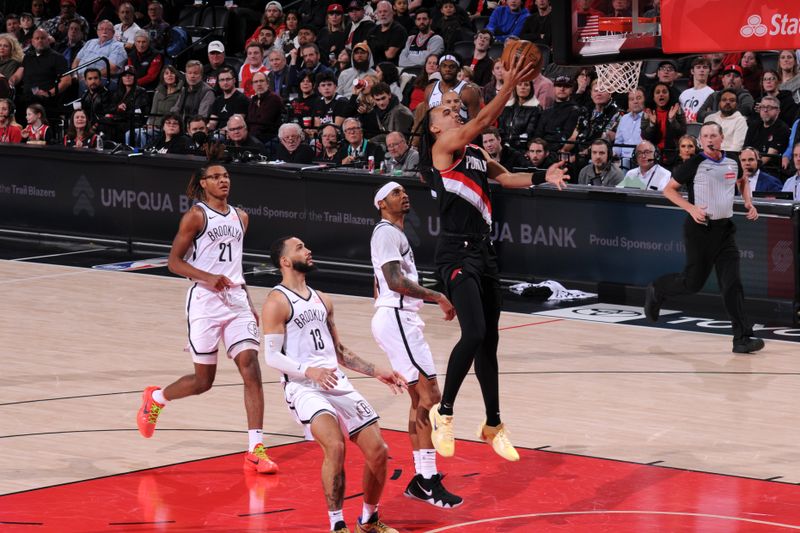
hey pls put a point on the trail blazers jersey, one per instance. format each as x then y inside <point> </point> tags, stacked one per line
<point>218,247</point>
<point>464,198</point>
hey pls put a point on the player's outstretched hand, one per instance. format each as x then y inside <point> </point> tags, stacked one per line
<point>557,175</point>
<point>519,70</point>
<point>395,381</point>
<point>447,307</point>
<point>324,377</point>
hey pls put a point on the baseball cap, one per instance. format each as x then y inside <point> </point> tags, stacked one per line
<point>128,69</point>
<point>216,46</point>
<point>274,4</point>
<point>733,68</point>
<point>563,81</point>
<point>335,8</point>
<point>355,4</point>
<point>67,3</point>
<point>668,62</point>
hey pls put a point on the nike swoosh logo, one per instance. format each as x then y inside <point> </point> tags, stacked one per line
<point>254,462</point>
<point>427,492</point>
<point>295,301</point>
<point>212,218</point>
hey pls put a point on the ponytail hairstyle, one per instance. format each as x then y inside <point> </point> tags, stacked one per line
<point>215,153</point>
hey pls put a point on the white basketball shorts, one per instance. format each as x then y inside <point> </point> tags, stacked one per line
<point>399,334</point>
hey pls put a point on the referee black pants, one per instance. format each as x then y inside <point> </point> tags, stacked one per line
<point>707,247</point>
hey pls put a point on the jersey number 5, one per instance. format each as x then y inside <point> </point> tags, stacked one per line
<point>222,248</point>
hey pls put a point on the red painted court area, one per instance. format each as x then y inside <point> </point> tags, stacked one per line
<point>544,492</point>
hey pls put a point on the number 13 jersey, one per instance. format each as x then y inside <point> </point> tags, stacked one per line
<point>218,247</point>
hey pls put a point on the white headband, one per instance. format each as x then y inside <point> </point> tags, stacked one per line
<point>449,57</point>
<point>384,191</point>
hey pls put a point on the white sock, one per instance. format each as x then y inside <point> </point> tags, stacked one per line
<point>417,463</point>
<point>427,463</point>
<point>367,510</point>
<point>158,395</point>
<point>256,437</point>
<point>335,517</point>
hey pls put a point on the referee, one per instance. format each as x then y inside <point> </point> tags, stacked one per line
<point>711,178</point>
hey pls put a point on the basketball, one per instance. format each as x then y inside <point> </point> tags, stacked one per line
<point>530,53</point>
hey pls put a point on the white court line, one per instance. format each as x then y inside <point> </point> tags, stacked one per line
<point>573,513</point>
<point>59,255</point>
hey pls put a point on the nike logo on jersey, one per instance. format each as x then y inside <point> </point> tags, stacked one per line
<point>212,218</point>
<point>295,301</point>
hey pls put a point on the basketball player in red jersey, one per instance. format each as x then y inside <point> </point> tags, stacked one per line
<point>465,257</point>
<point>208,250</point>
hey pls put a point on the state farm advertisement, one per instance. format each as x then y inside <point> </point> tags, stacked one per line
<point>689,26</point>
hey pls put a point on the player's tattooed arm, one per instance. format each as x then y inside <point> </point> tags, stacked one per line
<point>344,355</point>
<point>400,283</point>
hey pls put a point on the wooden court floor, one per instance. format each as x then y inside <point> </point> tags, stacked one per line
<point>79,345</point>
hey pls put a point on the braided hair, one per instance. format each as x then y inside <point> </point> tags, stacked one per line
<point>215,153</point>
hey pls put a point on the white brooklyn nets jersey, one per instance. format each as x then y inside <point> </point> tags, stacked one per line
<point>308,339</point>
<point>218,247</point>
<point>388,244</point>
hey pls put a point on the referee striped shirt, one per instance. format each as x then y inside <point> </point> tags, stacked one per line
<point>711,183</point>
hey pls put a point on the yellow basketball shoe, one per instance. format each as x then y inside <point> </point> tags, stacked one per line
<point>442,432</point>
<point>497,436</point>
<point>374,526</point>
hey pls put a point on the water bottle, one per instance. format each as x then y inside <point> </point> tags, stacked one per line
<point>371,163</point>
<point>99,146</point>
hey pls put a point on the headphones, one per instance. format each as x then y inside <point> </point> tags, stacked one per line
<point>656,154</point>
<point>339,133</point>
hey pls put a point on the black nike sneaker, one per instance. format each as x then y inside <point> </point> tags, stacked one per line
<point>432,491</point>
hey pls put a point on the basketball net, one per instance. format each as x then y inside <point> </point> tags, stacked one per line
<point>618,77</point>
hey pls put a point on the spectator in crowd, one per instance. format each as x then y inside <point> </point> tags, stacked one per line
<point>507,20</point>
<point>266,38</point>
<point>26,28</point>
<point>620,8</point>
<point>197,131</point>
<point>598,122</point>
<point>402,14</point>
<point>792,184</point>
<point>629,130</point>
<point>42,76</point>
<point>96,101</point>
<point>558,123</point>
<point>387,115</point>
<point>648,175</point>
<point>387,73</point>
<point>544,90</point>
<point>794,138</point>
<point>759,181</point>
<point>538,27</point>
<point>73,43</point>
<point>199,95</point>
<point>264,113</point>
<point>540,157</point>
<point>171,139</point>
<point>310,64</point>
<point>732,80</point>
<point>125,31</point>
<point>157,27</point>
<point>687,147</point>
<point>328,107</point>
<point>13,26</point>
<point>770,135</point>
<point>328,145</point>
<point>360,25</point>
<point>287,39</point>
<point>600,171</point>
<point>254,62</point>
<point>387,39</point>
<point>332,37</point>
<point>481,64</point>
<point>751,72</point>
<point>11,58</point>
<point>303,104</point>
<point>343,62</point>
<point>128,103</point>
<point>292,149</point>
<point>230,102</point>
<point>104,46</point>
<point>449,65</point>
<point>503,154</point>
<point>272,18</point>
<point>146,61</point>
<point>361,67</point>
<point>518,121</point>
<point>10,131</point>
<point>667,73</point>
<point>401,156</point>
<point>38,12</point>
<point>57,26</point>
<point>357,150</point>
<point>787,67</point>
<point>37,131</point>
<point>489,91</point>
<point>216,62</point>
<point>769,87</point>
<point>424,43</point>
<point>654,11</point>
<point>168,97</point>
<point>663,121</point>
<point>239,142</point>
<point>422,80</point>
<point>452,24</point>
<point>278,77</point>
<point>733,123</point>
<point>693,98</point>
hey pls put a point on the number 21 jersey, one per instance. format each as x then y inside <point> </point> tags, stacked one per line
<point>218,247</point>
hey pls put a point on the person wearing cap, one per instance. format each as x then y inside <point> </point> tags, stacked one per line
<point>422,44</point>
<point>388,38</point>
<point>731,79</point>
<point>57,26</point>
<point>558,122</point>
<point>466,261</point>
<point>331,37</point>
<point>507,20</point>
<point>146,60</point>
<point>273,17</point>
<point>361,67</point>
<point>398,330</point>
<point>360,24</point>
<point>128,103</point>
<point>733,123</point>
<point>216,62</point>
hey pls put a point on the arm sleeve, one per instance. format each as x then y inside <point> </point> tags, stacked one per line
<point>273,346</point>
